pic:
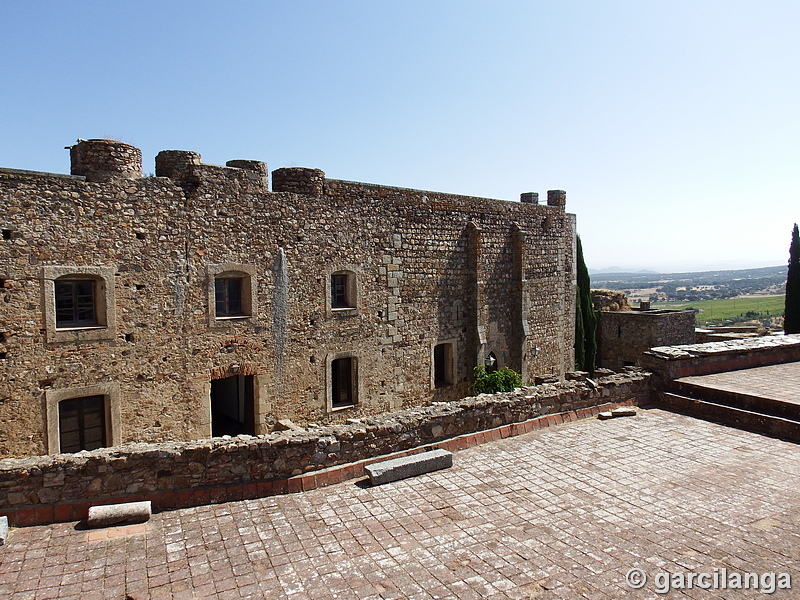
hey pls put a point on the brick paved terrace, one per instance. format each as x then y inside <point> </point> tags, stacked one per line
<point>559,513</point>
<point>778,382</point>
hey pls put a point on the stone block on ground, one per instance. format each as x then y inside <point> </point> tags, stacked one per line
<point>622,411</point>
<point>3,530</point>
<point>119,514</point>
<point>409,466</point>
<point>287,425</point>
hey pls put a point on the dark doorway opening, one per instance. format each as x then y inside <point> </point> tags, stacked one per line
<point>232,406</point>
<point>343,382</point>
<point>442,365</point>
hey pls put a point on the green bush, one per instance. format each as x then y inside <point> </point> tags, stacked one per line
<point>503,380</point>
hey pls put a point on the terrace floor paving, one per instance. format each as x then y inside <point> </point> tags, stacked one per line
<point>559,513</point>
<point>778,382</point>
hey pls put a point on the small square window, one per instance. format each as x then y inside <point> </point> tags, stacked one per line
<point>75,303</point>
<point>79,303</point>
<point>82,424</point>
<point>228,296</point>
<point>231,293</point>
<point>84,418</point>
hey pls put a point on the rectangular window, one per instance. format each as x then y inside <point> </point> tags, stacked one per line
<point>343,382</point>
<point>442,365</point>
<point>75,303</point>
<point>228,296</point>
<point>82,423</point>
<point>340,298</point>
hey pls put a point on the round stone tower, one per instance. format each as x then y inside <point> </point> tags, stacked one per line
<point>105,160</point>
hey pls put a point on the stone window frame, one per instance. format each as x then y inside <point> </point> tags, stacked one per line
<point>247,273</point>
<point>353,273</point>
<point>452,367</point>
<point>105,303</point>
<point>358,390</point>
<point>111,394</point>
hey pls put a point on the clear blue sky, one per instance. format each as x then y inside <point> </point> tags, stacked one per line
<point>673,126</point>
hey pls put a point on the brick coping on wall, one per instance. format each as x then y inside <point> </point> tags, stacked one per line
<point>302,483</point>
<point>672,362</point>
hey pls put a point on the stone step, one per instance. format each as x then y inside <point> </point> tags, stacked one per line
<point>748,402</point>
<point>747,420</point>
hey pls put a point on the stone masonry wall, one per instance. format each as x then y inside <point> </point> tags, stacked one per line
<point>162,471</point>
<point>624,335</point>
<point>484,275</point>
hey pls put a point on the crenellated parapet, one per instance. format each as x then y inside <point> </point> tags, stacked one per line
<point>187,170</point>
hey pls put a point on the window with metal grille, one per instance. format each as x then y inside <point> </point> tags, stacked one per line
<point>75,303</point>
<point>82,423</point>
<point>228,296</point>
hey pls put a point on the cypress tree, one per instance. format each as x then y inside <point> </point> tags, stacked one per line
<point>585,319</point>
<point>791,315</point>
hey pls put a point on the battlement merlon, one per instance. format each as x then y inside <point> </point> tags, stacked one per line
<point>186,168</point>
<point>107,160</point>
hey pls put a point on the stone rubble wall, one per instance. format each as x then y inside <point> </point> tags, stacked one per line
<point>157,472</point>
<point>623,336</point>
<point>610,300</point>
<point>485,275</point>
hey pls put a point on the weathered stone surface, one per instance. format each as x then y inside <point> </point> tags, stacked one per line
<point>623,336</point>
<point>3,530</point>
<point>287,425</point>
<point>670,362</point>
<point>117,514</point>
<point>482,275</point>
<point>107,473</point>
<point>409,466</point>
<point>624,411</point>
<point>610,300</point>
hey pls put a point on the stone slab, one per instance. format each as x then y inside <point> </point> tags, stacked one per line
<point>117,514</point>
<point>409,466</point>
<point>3,530</point>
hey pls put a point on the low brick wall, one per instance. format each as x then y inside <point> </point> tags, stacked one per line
<point>672,362</point>
<point>61,487</point>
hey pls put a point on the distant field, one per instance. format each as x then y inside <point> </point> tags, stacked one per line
<point>717,311</point>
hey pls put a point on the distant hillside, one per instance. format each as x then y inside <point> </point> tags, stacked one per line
<point>703,285</point>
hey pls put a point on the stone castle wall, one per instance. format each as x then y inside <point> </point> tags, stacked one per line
<point>483,275</point>
<point>623,336</point>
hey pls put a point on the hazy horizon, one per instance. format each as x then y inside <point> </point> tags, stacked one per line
<point>677,268</point>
